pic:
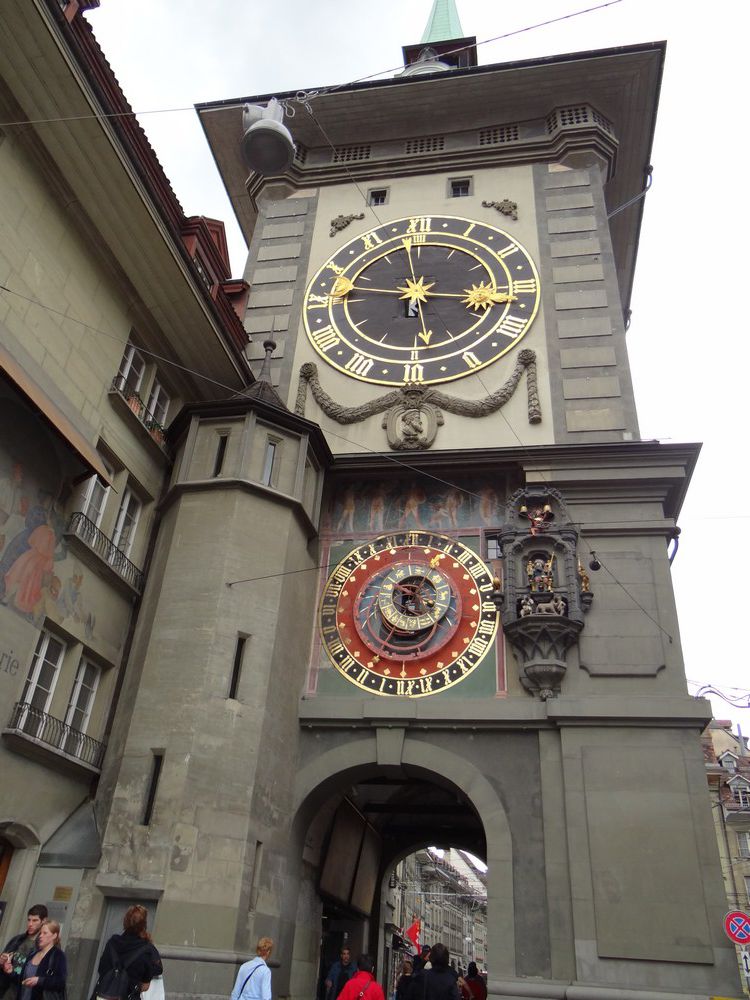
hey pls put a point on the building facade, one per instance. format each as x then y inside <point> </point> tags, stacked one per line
<point>728,773</point>
<point>94,365</point>
<point>408,584</point>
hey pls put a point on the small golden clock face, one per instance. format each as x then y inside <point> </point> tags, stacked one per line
<point>408,614</point>
<point>421,300</point>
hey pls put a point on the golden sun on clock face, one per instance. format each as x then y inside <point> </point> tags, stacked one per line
<point>408,614</point>
<point>421,300</point>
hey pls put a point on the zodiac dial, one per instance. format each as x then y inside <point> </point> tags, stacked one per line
<point>408,614</point>
<point>421,300</point>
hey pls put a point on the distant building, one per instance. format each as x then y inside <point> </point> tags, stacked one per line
<point>728,772</point>
<point>448,892</point>
<point>298,581</point>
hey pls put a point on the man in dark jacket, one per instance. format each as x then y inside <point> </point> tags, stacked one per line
<point>21,945</point>
<point>440,981</point>
<point>339,974</point>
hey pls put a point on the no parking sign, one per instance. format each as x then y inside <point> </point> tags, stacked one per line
<point>737,927</point>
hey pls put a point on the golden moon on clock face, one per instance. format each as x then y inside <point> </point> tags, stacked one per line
<point>421,300</point>
<point>408,614</point>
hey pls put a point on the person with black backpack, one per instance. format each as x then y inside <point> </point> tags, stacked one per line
<point>129,961</point>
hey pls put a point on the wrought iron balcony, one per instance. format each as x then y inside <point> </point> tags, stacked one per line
<point>85,529</point>
<point>41,728</point>
<point>128,393</point>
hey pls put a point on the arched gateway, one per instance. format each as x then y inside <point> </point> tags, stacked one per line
<point>411,785</point>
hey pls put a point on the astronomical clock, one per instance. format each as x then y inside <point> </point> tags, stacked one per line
<point>408,614</point>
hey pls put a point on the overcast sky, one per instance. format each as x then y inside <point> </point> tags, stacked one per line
<point>687,341</point>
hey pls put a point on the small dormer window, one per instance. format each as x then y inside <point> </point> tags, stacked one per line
<point>460,187</point>
<point>729,762</point>
<point>741,794</point>
<point>377,196</point>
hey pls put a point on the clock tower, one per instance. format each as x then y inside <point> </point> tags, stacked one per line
<point>426,599</point>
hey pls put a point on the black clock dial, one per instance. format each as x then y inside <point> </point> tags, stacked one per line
<point>421,300</point>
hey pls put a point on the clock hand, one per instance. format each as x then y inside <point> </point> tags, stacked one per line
<point>418,292</point>
<point>342,286</point>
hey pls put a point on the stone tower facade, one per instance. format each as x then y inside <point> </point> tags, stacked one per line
<point>414,588</point>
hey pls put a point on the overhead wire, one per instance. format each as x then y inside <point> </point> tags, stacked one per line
<point>318,93</point>
<point>305,100</point>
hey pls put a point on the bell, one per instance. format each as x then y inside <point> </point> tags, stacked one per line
<point>547,509</point>
<point>267,145</point>
<point>594,563</point>
<point>523,509</point>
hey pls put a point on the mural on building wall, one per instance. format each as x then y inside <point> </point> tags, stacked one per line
<point>37,578</point>
<point>419,502</point>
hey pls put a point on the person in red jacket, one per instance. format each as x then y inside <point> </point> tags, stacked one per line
<point>362,985</point>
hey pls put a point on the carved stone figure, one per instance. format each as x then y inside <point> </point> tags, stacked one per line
<point>342,221</point>
<point>505,207</point>
<point>527,607</point>
<point>412,424</point>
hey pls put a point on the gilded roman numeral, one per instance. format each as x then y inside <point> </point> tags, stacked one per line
<point>358,364</point>
<point>317,301</point>
<point>326,338</point>
<point>371,240</point>
<point>471,359</point>
<point>507,251</point>
<point>526,286</point>
<point>420,224</point>
<point>413,373</point>
<point>512,326</point>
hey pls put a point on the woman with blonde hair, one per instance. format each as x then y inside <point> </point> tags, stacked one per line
<point>133,951</point>
<point>254,977</point>
<point>46,969</point>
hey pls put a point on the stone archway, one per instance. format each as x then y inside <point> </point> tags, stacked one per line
<point>385,753</point>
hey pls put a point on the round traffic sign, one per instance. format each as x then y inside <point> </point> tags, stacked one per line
<point>737,926</point>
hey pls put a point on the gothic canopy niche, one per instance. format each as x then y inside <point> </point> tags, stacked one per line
<point>545,588</point>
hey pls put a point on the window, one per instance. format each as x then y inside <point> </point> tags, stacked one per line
<point>132,367</point>
<point>82,696</point>
<point>94,499</point>
<point>158,403</point>
<point>79,706</point>
<point>157,760</point>
<point>729,762</point>
<point>743,844</point>
<point>741,794</point>
<point>234,683</point>
<point>40,682</point>
<point>377,196</point>
<point>269,462</point>
<point>493,547</point>
<point>127,519</point>
<point>221,450</point>
<point>459,187</point>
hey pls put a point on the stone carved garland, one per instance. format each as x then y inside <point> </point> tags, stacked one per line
<point>413,414</point>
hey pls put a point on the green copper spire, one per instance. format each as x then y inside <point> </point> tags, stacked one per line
<point>443,23</point>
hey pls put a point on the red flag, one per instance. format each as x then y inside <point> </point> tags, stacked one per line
<point>413,932</point>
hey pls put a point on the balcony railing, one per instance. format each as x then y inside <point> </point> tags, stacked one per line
<point>123,388</point>
<point>55,733</point>
<point>97,541</point>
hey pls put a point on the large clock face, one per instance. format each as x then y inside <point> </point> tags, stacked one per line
<point>421,300</point>
<point>408,614</point>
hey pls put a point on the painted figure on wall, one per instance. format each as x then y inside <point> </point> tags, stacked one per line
<point>35,581</point>
<point>374,507</point>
